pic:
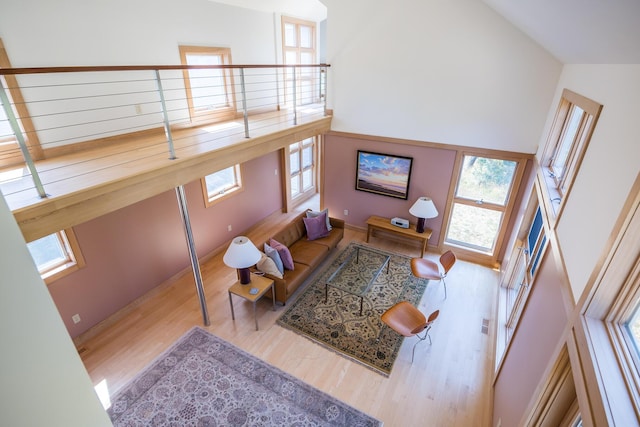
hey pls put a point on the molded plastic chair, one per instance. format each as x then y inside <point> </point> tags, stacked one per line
<point>408,321</point>
<point>427,269</point>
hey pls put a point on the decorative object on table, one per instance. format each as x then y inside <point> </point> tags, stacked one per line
<point>400,222</point>
<point>203,380</point>
<point>383,174</point>
<point>427,269</point>
<point>337,324</point>
<point>242,254</point>
<point>423,208</point>
<point>408,321</point>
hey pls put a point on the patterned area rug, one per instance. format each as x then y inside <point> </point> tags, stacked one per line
<point>338,325</point>
<point>205,381</point>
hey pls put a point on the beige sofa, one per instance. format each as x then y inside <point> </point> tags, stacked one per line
<point>306,254</point>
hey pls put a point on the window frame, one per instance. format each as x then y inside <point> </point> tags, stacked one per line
<point>603,347</point>
<point>558,187</point>
<point>235,188</point>
<point>302,77</point>
<point>218,114</point>
<point>74,259</point>
<point>304,194</point>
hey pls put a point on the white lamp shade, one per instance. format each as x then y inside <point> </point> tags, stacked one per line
<point>424,208</point>
<point>241,253</point>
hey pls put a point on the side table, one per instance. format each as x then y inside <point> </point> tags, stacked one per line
<point>263,284</point>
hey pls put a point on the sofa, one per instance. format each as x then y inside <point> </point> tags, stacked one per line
<point>305,254</point>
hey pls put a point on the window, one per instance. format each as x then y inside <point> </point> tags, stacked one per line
<point>302,169</point>
<point>221,184</point>
<point>569,137</point>
<point>483,193</point>
<point>299,47</point>
<point>56,255</point>
<point>210,92</point>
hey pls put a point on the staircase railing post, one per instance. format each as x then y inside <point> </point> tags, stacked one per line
<point>165,115</point>
<point>244,104</point>
<point>13,121</point>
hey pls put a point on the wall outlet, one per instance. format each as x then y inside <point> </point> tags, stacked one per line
<point>138,109</point>
<point>75,318</point>
<point>229,227</point>
<point>499,423</point>
<point>275,172</point>
<point>346,212</point>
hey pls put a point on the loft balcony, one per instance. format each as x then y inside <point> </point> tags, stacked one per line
<point>79,142</point>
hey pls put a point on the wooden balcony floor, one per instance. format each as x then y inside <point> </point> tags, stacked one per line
<point>89,183</point>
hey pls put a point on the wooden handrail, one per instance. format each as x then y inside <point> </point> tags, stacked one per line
<point>78,69</point>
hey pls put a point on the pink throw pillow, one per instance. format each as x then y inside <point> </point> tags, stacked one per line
<point>283,251</point>
<point>316,226</point>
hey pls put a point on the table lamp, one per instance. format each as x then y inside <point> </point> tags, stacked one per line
<point>423,208</point>
<point>242,254</point>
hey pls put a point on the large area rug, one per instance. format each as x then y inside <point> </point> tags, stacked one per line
<point>338,325</point>
<point>203,380</point>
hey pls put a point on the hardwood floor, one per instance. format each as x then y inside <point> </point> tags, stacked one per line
<point>449,383</point>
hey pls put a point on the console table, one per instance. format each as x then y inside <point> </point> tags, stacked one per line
<point>384,224</point>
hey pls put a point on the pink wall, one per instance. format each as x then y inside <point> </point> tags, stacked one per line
<point>430,176</point>
<point>541,327</point>
<point>133,250</point>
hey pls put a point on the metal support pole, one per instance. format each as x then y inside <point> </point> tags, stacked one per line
<point>244,104</point>
<point>295,100</point>
<point>13,121</point>
<point>323,72</point>
<point>277,71</point>
<point>195,265</point>
<point>167,128</point>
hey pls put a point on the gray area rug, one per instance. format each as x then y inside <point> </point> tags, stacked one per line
<point>203,380</point>
<point>337,323</point>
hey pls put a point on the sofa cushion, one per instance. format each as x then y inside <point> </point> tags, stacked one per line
<point>285,255</point>
<point>316,226</point>
<point>308,253</point>
<point>325,212</point>
<point>268,266</point>
<point>275,256</point>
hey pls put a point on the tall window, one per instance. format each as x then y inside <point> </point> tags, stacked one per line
<point>571,131</point>
<point>221,184</point>
<point>302,165</point>
<point>210,92</point>
<point>299,47</point>
<point>56,255</point>
<point>483,190</point>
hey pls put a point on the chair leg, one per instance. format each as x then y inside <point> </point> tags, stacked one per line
<point>420,339</point>
<point>445,288</point>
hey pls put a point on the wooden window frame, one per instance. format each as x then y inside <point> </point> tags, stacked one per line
<point>237,187</point>
<point>74,260</point>
<point>600,341</point>
<point>304,76</point>
<point>305,194</point>
<point>558,187</point>
<point>219,114</point>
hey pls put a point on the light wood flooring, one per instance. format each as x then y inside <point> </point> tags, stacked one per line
<point>448,384</point>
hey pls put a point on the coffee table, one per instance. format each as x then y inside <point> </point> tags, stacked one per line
<point>354,277</point>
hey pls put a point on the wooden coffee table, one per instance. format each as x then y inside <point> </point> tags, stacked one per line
<point>384,224</point>
<point>263,284</point>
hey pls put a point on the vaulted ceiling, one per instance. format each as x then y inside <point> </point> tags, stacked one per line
<point>574,31</point>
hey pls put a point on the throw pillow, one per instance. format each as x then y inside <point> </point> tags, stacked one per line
<point>316,227</point>
<point>313,214</point>
<point>267,266</point>
<point>275,256</point>
<point>283,251</point>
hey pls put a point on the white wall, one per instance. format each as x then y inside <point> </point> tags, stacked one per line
<point>451,71</point>
<point>609,168</point>
<point>43,381</point>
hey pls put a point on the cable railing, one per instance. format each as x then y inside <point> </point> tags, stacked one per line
<point>124,114</point>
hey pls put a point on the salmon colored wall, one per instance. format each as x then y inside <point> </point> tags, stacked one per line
<point>133,250</point>
<point>430,176</point>
<point>541,327</point>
